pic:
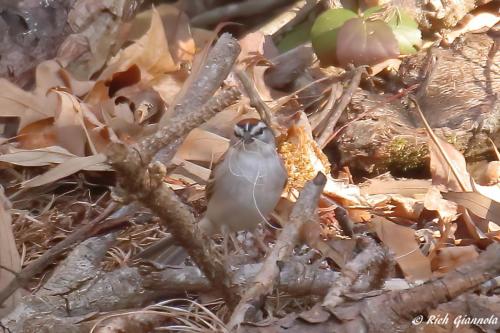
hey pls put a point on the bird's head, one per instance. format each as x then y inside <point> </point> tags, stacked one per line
<point>251,129</point>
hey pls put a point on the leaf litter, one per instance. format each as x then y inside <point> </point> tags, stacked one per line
<point>58,162</point>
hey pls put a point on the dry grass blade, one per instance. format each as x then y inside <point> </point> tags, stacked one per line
<point>461,181</point>
<point>47,258</point>
<point>439,145</point>
<point>495,149</point>
<point>304,209</point>
<point>192,317</point>
<point>36,157</point>
<point>67,168</point>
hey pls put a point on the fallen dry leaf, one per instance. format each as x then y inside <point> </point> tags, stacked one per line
<point>38,134</point>
<point>151,53</point>
<point>68,124</point>
<point>448,258</point>
<point>477,203</point>
<point>447,210</point>
<point>442,173</point>
<point>202,146</point>
<point>167,86</point>
<point>119,80</point>
<point>492,192</point>
<point>310,234</point>
<point>448,169</point>
<point>176,25</point>
<point>490,174</point>
<point>48,77</point>
<point>188,170</point>
<point>472,22</point>
<point>28,107</point>
<point>36,157</point>
<point>406,207</point>
<point>405,187</point>
<point>256,43</point>
<point>9,257</point>
<point>69,167</point>
<point>389,64</point>
<point>316,314</point>
<point>401,240</point>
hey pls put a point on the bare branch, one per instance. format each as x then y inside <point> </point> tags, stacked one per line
<point>233,10</point>
<point>145,183</point>
<point>48,257</point>
<point>340,106</point>
<point>255,100</point>
<point>371,254</point>
<point>304,210</point>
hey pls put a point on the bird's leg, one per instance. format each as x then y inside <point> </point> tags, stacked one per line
<point>259,241</point>
<point>236,243</point>
<point>225,233</point>
<point>228,235</point>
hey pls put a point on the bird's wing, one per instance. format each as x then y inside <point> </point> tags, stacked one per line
<point>209,188</point>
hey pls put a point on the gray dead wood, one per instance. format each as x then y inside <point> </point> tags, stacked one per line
<point>460,103</point>
<point>262,285</point>
<point>394,310</point>
<point>144,183</point>
<point>233,10</point>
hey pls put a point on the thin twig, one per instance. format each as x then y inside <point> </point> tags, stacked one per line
<point>318,120</point>
<point>304,209</point>
<point>182,123</point>
<point>340,106</point>
<point>435,139</point>
<point>367,111</point>
<point>242,9</point>
<point>430,67</point>
<point>372,253</point>
<point>49,256</point>
<point>199,89</point>
<point>146,186</point>
<point>144,183</point>
<point>255,99</point>
<point>287,17</point>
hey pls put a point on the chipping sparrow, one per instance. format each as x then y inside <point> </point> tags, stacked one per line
<point>246,184</point>
<point>243,189</point>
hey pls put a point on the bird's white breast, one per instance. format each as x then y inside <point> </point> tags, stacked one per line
<point>247,188</point>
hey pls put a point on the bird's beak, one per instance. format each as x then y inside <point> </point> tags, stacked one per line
<point>247,138</point>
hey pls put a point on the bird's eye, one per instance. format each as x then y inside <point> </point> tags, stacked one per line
<point>260,131</point>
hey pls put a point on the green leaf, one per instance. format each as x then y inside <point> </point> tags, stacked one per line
<point>361,42</point>
<point>298,35</point>
<point>324,33</point>
<point>406,31</point>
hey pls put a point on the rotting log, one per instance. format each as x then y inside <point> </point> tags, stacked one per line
<point>459,101</point>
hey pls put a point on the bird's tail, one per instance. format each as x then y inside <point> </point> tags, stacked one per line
<point>167,252</point>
